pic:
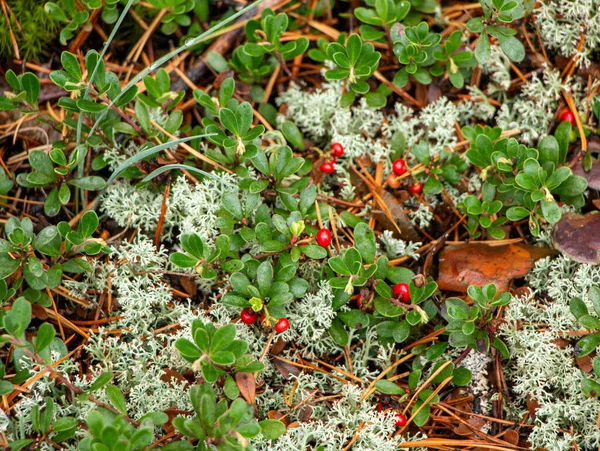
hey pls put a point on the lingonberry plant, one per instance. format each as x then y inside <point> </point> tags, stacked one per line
<point>252,227</point>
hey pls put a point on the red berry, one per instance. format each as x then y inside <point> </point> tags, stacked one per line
<point>337,150</point>
<point>401,292</point>
<point>282,325</point>
<point>359,299</point>
<point>401,420</point>
<point>324,237</point>
<point>327,167</point>
<point>248,316</point>
<point>416,188</point>
<point>379,407</point>
<point>399,166</point>
<point>567,115</point>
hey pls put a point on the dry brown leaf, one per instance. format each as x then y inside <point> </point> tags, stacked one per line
<point>397,217</point>
<point>511,436</point>
<point>584,363</point>
<point>247,385</point>
<point>189,285</point>
<point>577,237</point>
<point>286,369</point>
<point>478,264</point>
<point>592,177</point>
<point>464,430</point>
<point>532,406</point>
<point>278,346</point>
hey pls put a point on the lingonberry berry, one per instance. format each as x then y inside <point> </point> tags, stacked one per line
<point>392,181</point>
<point>337,150</point>
<point>248,316</point>
<point>416,188</point>
<point>401,420</point>
<point>567,115</point>
<point>401,292</point>
<point>324,237</point>
<point>327,167</point>
<point>282,325</point>
<point>399,166</point>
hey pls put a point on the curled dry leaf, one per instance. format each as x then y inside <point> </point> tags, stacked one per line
<point>577,237</point>
<point>478,264</point>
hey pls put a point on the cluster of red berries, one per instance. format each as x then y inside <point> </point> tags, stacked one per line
<point>337,150</point>
<point>249,316</point>
<point>401,292</point>
<point>399,168</point>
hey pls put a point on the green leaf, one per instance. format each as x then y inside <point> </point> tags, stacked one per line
<point>594,295</point>
<point>231,203</point>
<point>222,338</point>
<point>182,260</point>
<point>354,48</point>
<point>31,85</point>
<point>588,344</point>
<point>272,429</point>
<point>457,308</point>
<point>193,244</point>
<point>44,337</point>
<point>517,213</point>
<point>389,387</point>
<point>551,211</point>
<point>88,224</point>
<point>364,239</point>
<point>264,277</point>
<point>71,64</point>
<point>89,106</point>
<point>101,381</point>
<point>18,317</point>
<point>292,134</point>
<point>548,149</point>
<point>512,47</point>
<point>188,350</point>
<point>115,395</point>
<point>578,307</point>
<point>461,377</point>
<point>482,49</point>
<point>89,183</point>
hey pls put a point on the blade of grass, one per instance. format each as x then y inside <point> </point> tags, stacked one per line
<point>148,152</point>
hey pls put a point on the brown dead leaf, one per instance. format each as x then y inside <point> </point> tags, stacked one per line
<point>478,264</point>
<point>577,237</point>
<point>39,312</point>
<point>169,374</point>
<point>277,415</point>
<point>592,177</point>
<point>532,406</point>
<point>278,346</point>
<point>511,436</point>
<point>189,285</point>
<point>475,422</point>
<point>286,369</point>
<point>584,363</point>
<point>247,385</point>
<point>397,217</point>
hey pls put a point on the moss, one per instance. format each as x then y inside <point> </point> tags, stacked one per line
<point>33,28</point>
